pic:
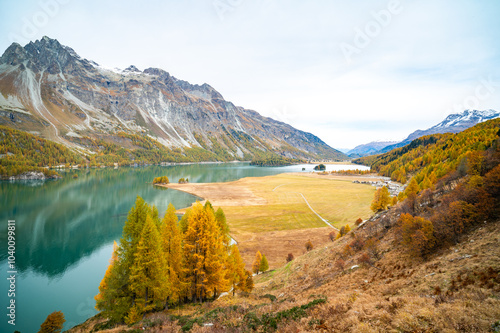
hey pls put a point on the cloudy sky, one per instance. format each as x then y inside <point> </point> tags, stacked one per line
<point>348,71</point>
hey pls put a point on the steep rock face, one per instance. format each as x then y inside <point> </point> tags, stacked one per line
<point>50,89</point>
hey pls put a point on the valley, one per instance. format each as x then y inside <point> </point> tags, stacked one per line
<point>278,214</point>
<point>173,209</point>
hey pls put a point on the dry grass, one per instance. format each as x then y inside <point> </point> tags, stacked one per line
<point>272,203</point>
<point>268,214</point>
<point>399,294</point>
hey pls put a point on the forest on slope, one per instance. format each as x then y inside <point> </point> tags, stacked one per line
<point>21,152</point>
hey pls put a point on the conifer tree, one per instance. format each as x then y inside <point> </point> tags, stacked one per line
<point>216,255</point>
<point>183,223</point>
<point>246,284</point>
<point>202,253</point>
<point>148,280</point>
<point>104,297</point>
<point>116,298</point>
<point>235,268</point>
<point>220,218</point>
<point>256,263</point>
<point>172,247</point>
<point>381,200</point>
<point>412,189</point>
<point>53,323</point>
<point>264,265</point>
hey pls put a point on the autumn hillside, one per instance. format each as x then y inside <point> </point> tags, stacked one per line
<point>430,263</point>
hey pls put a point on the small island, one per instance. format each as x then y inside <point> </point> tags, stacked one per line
<point>320,167</point>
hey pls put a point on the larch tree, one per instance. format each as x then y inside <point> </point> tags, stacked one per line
<point>172,247</point>
<point>264,265</point>
<point>148,280</point>
<point>256,263</point>
<point>105,298</point>
<point>381,200</point>
<point>246,284</point>
<point>235,268</point>
<point>412,189</point>
<point>53,323</point>
<point>202,253</point>
<point>116,298</point>
<point>216,255</point>
<point>220,218</point>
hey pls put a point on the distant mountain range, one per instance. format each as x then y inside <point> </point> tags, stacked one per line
<point>47,89</point>
<point>454,123</point>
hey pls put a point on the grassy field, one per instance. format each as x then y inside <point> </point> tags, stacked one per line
<point>269,214</point>
<point>339,202</point>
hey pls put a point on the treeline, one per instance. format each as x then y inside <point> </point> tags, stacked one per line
<point>274,160</point>
<point>22,152</point>
<point>430,158</point>
<point>355,172</point>
<point>165,262</point>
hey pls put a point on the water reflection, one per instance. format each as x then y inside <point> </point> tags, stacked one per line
<point>66,220</point>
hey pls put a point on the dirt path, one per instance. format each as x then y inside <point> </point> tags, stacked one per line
<point>308,205</point>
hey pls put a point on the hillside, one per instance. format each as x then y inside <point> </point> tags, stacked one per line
<point>21,152</point>
<point>429,263</point>
<point>47,89</point>
<point>431,157</point>
<point>454,123</point>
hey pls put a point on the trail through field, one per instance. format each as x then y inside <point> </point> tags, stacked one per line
<point>307,203</point>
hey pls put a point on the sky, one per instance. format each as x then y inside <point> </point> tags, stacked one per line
<point>349,72</point>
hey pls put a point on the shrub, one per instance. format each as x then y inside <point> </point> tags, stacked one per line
<point>309,246</point>
<point>332,235</point>
<point>340,264</point>
<point>358,222</point>
<point>417,234</point>
<point>357,244</point>
<point>289,257</point>
<point>365,259</point>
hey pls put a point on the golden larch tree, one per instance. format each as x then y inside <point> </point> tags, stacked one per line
<point>148,280</point>
<point>172,247</point>
<point>256,263</point>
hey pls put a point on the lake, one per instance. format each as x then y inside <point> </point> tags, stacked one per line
<point>65,231</point>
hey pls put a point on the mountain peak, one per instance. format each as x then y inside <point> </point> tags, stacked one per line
<point>132,68</point>
<point>467,118</point>
<point>86,99</point>
<point>14,55</point>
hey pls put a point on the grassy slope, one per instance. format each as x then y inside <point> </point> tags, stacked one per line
<point>454,289</point>
<point>397,295</point>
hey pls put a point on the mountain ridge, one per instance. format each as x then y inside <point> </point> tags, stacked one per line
<point>48,89</point>
<point>453,123</point>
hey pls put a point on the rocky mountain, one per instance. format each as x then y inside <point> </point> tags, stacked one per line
<point>454,123</point>
<point>46,88</point>
<point>369,148</point>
